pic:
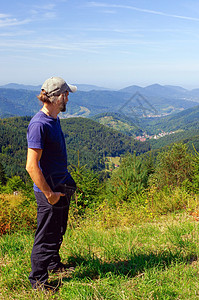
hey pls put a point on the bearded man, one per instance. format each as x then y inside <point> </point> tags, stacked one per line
<point>53,184</point>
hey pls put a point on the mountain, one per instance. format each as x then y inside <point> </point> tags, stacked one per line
<point>131,89</point>
<point>8,109</point>
<point>89,87</point>
<point>180,127</point>
<point>194,94</point>
<point>17,86</point>
<point>185,120</point>
<point>81,87</point>
<point>18,102</point>
<point>189,137</point>
<point>87,141</point>
<point>161,91</point>
<point>120,122</point>
<point>154,100</point>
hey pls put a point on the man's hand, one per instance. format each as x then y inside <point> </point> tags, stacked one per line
<point>54,197</point>
<point>32,167</point>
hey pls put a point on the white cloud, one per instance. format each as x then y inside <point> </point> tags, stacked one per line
<point>50,15</point>
<point>49,6</point>
<point>94,46</point>
<point>16,33</point>
<point>105,5</point>
<point>5,22</point>
<point>48,12</point>
<point>3,16</point>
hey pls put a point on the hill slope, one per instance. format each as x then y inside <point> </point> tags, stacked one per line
<point>120,122</point>
<point>153,100</point>
<point>18,102</point>
<point>88,138</point>
<point>185,120</point>
<point>180,127</point>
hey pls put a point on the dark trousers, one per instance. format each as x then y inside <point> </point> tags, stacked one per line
<point>51,226</point>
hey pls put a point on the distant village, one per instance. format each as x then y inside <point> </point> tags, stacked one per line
<point>145,136</point>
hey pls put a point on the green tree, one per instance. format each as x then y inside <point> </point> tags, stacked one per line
<point>128,180</point>
<point>2,175</point>
<point>193,184</point>
<point>174,166</point>
<point>88,186</point>
<point>14,184</point>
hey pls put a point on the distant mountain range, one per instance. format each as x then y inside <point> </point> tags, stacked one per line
<point>151,90</point>
<point>81,87</point>
<point>164,91</point>
<point>154,100</point>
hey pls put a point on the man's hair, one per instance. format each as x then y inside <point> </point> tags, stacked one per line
<point>46,99</point>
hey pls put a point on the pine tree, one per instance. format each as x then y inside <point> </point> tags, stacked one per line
<point>2,175</point>
<point>174,166</point>
<point>128,180</point>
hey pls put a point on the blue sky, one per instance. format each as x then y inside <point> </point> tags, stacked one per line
<point>110,43</point>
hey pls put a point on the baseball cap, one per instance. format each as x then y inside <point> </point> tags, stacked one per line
<point>55,86</point>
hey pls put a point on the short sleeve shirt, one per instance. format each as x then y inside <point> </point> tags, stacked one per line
<point>44,132</point>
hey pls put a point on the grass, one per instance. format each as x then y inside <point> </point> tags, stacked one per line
<point>156,260</point>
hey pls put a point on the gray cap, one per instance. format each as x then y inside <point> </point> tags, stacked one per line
<point>55,86</point>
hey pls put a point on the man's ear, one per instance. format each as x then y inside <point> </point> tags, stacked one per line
<point>59,99</point>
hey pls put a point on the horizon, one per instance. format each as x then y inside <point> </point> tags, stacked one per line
<point>107,43</point>
<point>108,88</point>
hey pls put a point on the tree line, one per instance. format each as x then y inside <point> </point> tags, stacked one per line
<point>86,140</point>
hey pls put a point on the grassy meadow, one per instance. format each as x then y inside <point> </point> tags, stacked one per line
<point>133,236</point>
<point>157,259</point>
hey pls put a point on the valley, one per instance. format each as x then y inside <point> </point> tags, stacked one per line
<point>102,123</point>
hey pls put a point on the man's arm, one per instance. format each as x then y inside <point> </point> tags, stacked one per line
<point>32,167</point>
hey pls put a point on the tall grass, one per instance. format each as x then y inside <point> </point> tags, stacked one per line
<point>156,260</point>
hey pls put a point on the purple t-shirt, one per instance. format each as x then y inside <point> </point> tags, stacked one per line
<point>44,132</point>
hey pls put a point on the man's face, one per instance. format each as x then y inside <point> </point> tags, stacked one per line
<point>63,99</point>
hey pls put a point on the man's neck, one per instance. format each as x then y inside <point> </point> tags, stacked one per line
<point>50,110</point>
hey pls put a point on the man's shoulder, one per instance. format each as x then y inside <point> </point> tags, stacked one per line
<point>44,122</point>
<point>39,116</point>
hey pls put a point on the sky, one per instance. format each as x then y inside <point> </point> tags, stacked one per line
<point>110,43</point>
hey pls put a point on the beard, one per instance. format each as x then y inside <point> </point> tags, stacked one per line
<point>62,106</point>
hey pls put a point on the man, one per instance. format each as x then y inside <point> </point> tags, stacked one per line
<point>53,184</point>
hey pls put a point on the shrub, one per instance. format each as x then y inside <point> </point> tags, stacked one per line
<point>16,213</point>
<point>129,180</point>
<point>174,166</point>
<point>193,184</point>
<point>13,184</point>
<point>168,199</point>
<point>88,188</point>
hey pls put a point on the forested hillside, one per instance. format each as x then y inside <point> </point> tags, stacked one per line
<point>89,142</point>
<point>120,122</point>
<point>181,127</point>
<point>185,120</point>
<point>86,140</point>
<point>134,124</point>
<point>95,141</point>
<point>23,102</point>
<point>18,102</point>
<point>13,145</point>
<point>189,137</point>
